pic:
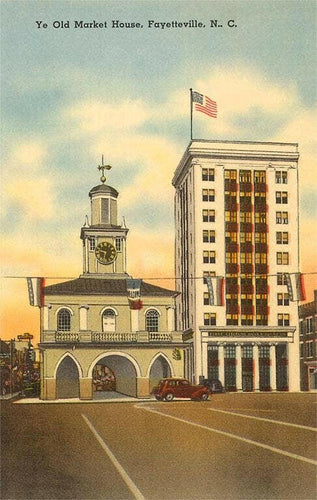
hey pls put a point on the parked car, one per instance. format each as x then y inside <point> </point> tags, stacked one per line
<point>170,388</point>
<point>214,385</point>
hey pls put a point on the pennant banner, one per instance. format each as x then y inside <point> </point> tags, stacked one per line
<point>215,285</point>
<point>36,291</point>
<point>295,286</point>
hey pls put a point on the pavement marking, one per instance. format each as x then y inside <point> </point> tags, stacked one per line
<point>271,421</point>
<point>233,436</point>
<point>130,484</point>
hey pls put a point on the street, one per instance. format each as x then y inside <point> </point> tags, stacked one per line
<point>234,446</point>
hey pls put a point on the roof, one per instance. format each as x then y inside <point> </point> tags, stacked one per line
<point>99,286</point>
<point>103,188</point>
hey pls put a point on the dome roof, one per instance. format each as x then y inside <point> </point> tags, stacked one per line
<point>103,189</point>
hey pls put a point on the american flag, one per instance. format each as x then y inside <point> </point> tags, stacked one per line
<point>204,104</point>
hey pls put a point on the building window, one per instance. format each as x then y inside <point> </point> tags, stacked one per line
<point>207,274</point>
<point>281,217</point>
<point>119,244</point>
<point>281,238</point>
<point>259,177</point>
<point>260,237</point>
<point>301,349</point>
<point>260,258</point>
<point>282,299</point>
<point>281,279</point>
<point>280,177</point>
<point>247,351</point>
<point>231,258</point>
<point>283,320</point>
<point>92,243</point>
<point>208,216</point>
<point>231,174</point>
<point>152,320</point>
<point>206,299</point>
<point>245,217</point>
<point>246,319</point>
<point>261,319</point>
<point>230,216</point>
<point>208,236</point>
<point>109,321</point>
<point>209,319</point>
<point>208,195</point>
<point>208,174</point>
<point>209,257</point>
<point>244,237</point>
<point>264,351</point>
<point>260,217</point>
<point>282,258</point>
<point>230,352</point>
<point>309,349</point>
<point>281,197</point>
<point>245,176</point>
<point>232,319</point>
<point>63,320</point>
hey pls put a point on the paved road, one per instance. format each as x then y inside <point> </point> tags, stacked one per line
<point>235,446</point>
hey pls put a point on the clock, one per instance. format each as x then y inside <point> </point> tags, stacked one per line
<point>105,253</point>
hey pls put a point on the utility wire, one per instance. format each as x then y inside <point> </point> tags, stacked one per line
<point>238,275</point>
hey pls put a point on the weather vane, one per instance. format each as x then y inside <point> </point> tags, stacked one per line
<point>102,168</point>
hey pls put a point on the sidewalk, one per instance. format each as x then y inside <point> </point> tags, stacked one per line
<point>109,397</point>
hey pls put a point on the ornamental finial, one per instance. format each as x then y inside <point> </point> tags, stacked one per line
<point>102,168</point>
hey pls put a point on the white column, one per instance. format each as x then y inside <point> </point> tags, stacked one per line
<point>134,320</point>
<point>197,356</point>
<point>170,318</point>
<point>46,309</point>
<point>272,368</point>
<point>205,359</point>
<point>221,361</point>
<point>83,317</point>
<point>239,368</point>
<point>256,373</point>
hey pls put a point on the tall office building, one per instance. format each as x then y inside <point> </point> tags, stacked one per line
<point>236,259</point>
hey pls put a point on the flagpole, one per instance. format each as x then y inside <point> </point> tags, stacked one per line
<point>191,114</point>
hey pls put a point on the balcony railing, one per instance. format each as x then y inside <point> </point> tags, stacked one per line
<point>86,337</point>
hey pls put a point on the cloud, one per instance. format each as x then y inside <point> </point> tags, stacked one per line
<point>94,115</point>
<point>28,154</point>
<point>33,197</point>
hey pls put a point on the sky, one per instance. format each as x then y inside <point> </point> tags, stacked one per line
<point>69,95</point>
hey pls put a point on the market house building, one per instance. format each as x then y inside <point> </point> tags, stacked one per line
<point>105,331</point>
<point>237,243</point>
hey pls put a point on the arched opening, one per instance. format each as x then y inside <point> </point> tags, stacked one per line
<point>67,379</point>
<point>159,369</point>
<point>152,320</point>
<point>114,375</point>
<point>63,320</point>
<point>109,321</point>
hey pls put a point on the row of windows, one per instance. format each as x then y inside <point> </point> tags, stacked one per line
<point>208,174</point>
<point>210,319</point>
<point>259,217</point>
<point>108,320</point>
<point>281,237</point>
<point>93,243</point>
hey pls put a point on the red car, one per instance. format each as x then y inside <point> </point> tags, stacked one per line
<point>170,388</point>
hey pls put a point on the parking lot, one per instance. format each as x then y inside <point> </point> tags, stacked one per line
<point>234,446</point>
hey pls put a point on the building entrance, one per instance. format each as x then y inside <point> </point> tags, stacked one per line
<point>103,379</point>
<point>67,379</point>
<point>114,373</point>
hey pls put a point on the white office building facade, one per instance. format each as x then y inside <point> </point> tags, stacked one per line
<point>236,224</point>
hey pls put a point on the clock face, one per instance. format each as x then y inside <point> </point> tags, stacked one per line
<point>105,253</point>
